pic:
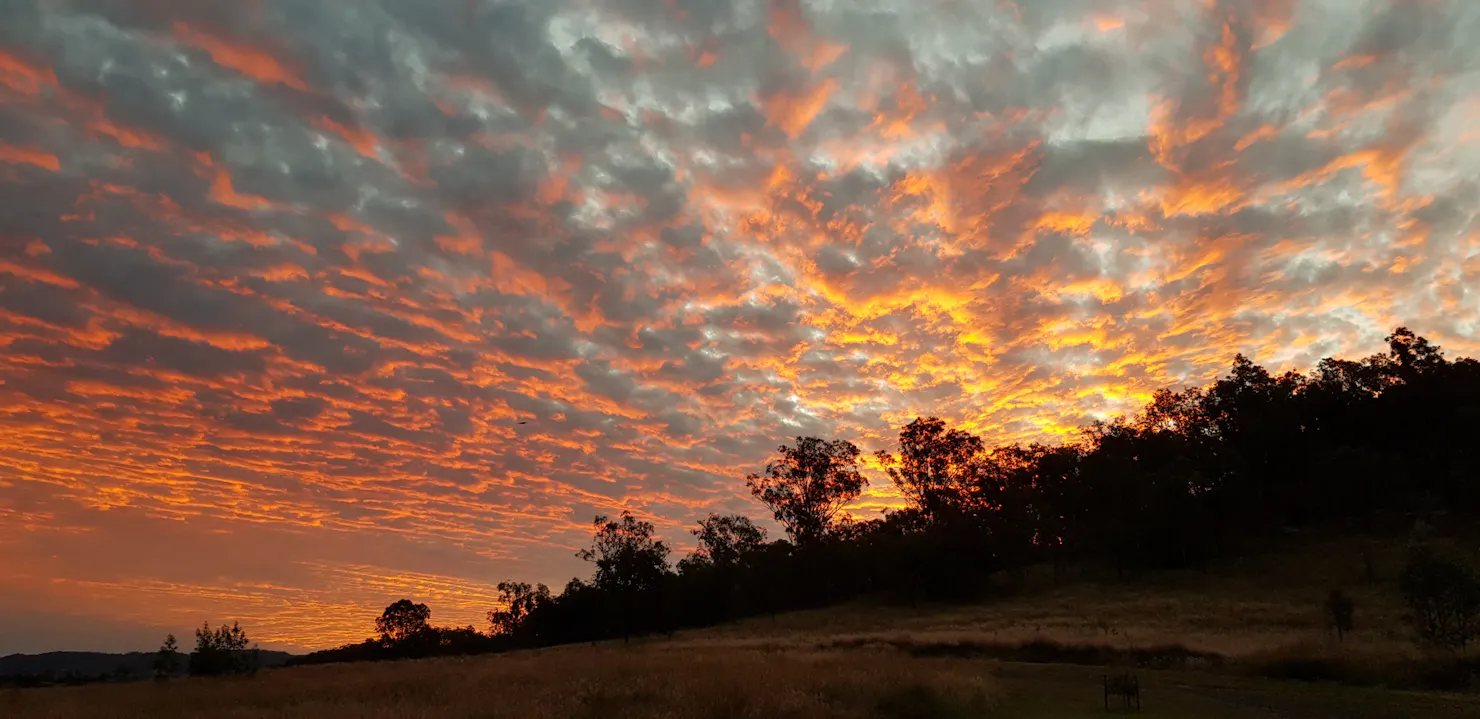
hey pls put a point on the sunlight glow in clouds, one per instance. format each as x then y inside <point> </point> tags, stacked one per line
<point>278,279</point>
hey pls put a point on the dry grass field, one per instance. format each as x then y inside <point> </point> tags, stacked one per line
<point>564,683</point>
<point>658,680</point>
<point>1246,609</point>
<point>865,661</point>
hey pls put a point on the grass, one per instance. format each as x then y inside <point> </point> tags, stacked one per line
<point>1251,607</point>
<point>573,682</point>
<point>1225,643</point>
<point>659,680</point>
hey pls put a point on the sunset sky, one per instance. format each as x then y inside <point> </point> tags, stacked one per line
<point>279,279</point>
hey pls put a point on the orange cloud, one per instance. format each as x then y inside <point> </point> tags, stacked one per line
<point>29,155</point>
<point>252,62</point>
<point>364,141</point>
<point>793,111</point>
<point>24,78</point>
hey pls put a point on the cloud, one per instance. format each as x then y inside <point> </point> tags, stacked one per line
<point>280,281</point>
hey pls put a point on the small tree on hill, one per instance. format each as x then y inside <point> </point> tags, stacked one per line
<point>167,659</point>
<point>808,485</point>
<point>1443,599</point>
<point>402,622</point>
<point>937,467</point>
<point>520,600</point>
<point>725,539</point>
<point>629,560</point>
<point>221,651</point>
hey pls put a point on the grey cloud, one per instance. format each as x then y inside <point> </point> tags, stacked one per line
<point>191,358</point>
<point>298,408</point>
<point>604,380</point>
<point>698,366</point>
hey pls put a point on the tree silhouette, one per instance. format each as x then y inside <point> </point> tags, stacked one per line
<point>807,485</point>
<point>1414,355</point>
<point>937,467</point>
<point>724,540</point>
<point>167,659</point>
<point>715,572</point>
<point>222,650</point>
<point>520,601</point>
<point>403,621</point>
<point>629,560</point>
<point>1443,597</point>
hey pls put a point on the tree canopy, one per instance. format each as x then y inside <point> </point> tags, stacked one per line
<point>402,621</point>
<point>808,484</point>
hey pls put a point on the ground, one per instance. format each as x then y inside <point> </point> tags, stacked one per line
<point>868,661</point>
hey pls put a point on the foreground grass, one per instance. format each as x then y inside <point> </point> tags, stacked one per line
<point>663,680</point>
<point>606,682</point>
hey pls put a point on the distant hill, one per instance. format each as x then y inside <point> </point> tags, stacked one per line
<point>97,666</point>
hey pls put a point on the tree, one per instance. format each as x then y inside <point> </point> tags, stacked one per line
<point>221,651</point>
<point>724,540</point>
<point>714,573</point>
<point>167,659</point>
<point>403,621</point>
<point>1414,355</point>
<point>937,467</point>
<point>1443,598</point>
<point>520,600</point>
<point>1339,611</point>
<point>629,560</point>
<point>808,485</point>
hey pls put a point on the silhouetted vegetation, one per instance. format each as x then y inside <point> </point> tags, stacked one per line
<point>1340,610</point>
<point>403,622</point>
<point>222,651</point>
<point>806,486</point>
<point>629,562</point>
<point>167,659</point>
<point>1443,596</point>
<point>1197,474</point>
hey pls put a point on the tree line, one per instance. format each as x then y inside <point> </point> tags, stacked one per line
<point>1194,475</point>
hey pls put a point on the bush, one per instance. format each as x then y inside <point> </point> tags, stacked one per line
<point>1443,599</point>
<point>222,651</point>
<point>1339,611</point>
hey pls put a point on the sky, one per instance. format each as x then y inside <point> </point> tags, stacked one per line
<point>309,306</point>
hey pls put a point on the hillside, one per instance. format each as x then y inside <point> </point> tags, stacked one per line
<point>1258,605</point>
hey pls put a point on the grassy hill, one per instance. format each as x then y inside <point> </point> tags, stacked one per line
<point>1259,605</point>
<point>1206,644</point>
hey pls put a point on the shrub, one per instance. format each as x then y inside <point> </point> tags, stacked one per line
<point>1339,610</point>
<point>1443,599</point>
<point>222,651</point>
<point>167,659</point>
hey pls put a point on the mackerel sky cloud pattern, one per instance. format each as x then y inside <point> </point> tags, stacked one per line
<point>279,279</point>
